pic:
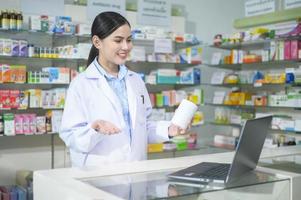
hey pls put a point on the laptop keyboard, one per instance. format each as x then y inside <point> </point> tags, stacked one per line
<point>215,170</point>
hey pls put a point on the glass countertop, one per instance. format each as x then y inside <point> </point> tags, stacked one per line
<point>290,163</point>
<point>157,185</point>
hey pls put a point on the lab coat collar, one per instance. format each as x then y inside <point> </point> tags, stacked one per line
<point>92,71</point>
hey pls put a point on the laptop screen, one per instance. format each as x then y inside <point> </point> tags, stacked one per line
<point>249,146</point>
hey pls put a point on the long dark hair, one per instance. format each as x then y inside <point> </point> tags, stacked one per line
<point>103,25</point>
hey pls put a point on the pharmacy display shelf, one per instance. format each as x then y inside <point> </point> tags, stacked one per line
<point>155,64</point>
<point>42,33</point>
<point>259,85</point>
<point>25,86</point>
<point>176,45</point>
<point>224,147</point>
<point>197,148</point>
<point>252,106</point>
<point>163,87</point>
<point>288,132</point>
<point>255,44</point>
<point>266,64</point>
<point>30,135</point>
<point>35,59</point>
<point>145,42</point>
<point>29,109</point>
<point>42,39</point>
<point>83,61</point>
<point>224,124</point>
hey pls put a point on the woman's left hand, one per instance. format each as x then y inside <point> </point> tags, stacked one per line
<point>174,130</point>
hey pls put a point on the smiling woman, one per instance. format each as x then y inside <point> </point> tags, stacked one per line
<point>107,111</point>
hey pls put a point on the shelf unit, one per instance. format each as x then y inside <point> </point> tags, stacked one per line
<point>255,44</point>
<point>266,65</point>
<point>35,63</point>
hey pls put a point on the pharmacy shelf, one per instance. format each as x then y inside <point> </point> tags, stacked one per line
<point>42,33</point>
<point>224,124</point>
<point>29,109</point>
<point>266,64</point>
<point>143,42</point>
<point>35,59</point>
<point>197,148</point>
<point>225,147</point>
<point>287,132</point>
<point>30,135</point>
<point>25,86</point>
<point>255,107</point>
<point>81,61</point>
<point>154,64</point>
<point>255,44</point>
<point>177,45</point>
<point>162,87</point>
<point>258,85</point>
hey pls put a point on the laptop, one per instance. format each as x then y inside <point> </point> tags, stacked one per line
<point>246,157</point>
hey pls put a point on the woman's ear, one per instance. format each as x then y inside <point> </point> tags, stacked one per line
<point>96,41</point>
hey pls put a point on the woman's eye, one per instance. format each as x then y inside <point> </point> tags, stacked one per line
<point>117,41</point>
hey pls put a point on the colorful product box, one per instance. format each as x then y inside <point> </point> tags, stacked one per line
<point>6,73</point>
<point>18,74</point>
<point>1,46</point>
<point>281,50</point>
<point>60,22</point>
<point>23,51</point>
<point>7,47</point>
<point>32,124</point>
<point>299,49</point>
<point>294,49</point>
<point>41,124</point>
<point>35,98</point>
<point>35,22</point>
<point>5,100</point>
<point>9,124</point>
<point>273,47</point>
<point>14,95</point>
<point>190,76</point>
<point>23,100</point>
<point>287,50</point>
<point>15,47</point>
<point>18,124</point>
<point>1,81</point>
<point>26,123</point>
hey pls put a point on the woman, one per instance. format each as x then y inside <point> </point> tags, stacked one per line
<point>107,110</point>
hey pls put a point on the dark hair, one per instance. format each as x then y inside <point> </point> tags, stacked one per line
<point>103,25</point>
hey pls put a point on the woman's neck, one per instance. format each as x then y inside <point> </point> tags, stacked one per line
<point>110,68</point>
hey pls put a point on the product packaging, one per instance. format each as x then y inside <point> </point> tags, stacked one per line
<point>184,114</point>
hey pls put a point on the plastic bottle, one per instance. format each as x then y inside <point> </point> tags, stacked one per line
<point>19,21</point>
<point>1,125</point>
<point>1,18</point>
<point>12,20</point>
<point>48,124</point>
<point>5,20</point>
<point>30,50</point>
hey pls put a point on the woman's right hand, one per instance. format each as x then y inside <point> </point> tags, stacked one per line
<point>105,127</point>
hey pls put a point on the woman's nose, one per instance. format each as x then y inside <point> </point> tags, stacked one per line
<point>126,45</point>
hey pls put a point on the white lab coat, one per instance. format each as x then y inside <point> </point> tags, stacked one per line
<point>91,98</point>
